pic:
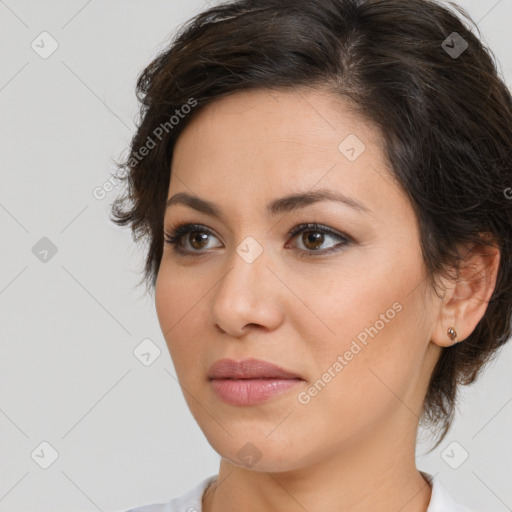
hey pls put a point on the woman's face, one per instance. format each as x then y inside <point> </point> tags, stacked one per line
<point>354,323</point>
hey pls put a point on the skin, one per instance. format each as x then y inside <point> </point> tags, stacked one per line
<point>352,447</point>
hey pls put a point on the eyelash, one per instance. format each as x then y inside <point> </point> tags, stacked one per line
<point>177,233</point>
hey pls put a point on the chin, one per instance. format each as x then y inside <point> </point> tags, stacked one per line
<point>259,452</point>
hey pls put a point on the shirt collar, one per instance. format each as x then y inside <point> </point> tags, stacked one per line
<point>440,499</point>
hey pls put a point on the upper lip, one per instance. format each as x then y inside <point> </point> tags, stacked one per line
<point>248,369</point>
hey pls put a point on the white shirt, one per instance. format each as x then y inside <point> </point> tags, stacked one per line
<point>191,501</point>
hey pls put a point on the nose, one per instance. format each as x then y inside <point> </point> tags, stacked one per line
<point>248,296</point>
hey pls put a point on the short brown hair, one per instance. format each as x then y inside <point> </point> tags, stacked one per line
<point>446,120</point>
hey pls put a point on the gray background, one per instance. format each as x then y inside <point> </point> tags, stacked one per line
<point>68,375</point>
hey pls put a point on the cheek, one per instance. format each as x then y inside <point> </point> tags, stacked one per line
<point>178,306</point>
<point>371,348</point>
<point>179,291</point>
<point>361,303</point>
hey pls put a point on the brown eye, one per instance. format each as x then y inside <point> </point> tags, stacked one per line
<point>195,235</point>
<point>312,240</point>
<point>198,239</point>
<point>314,236</point>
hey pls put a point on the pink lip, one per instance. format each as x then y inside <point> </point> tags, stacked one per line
<point>248,369</point>
<point>250,381</point>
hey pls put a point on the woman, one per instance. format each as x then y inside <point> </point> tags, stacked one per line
<point>323,188</point>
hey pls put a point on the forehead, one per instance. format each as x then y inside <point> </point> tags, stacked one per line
<point>302,120</point>
<point>265,144</point>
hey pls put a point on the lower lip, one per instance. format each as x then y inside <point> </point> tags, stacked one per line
<point>251,391</point>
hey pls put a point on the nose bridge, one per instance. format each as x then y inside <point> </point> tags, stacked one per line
<point>247,270</point>
<point>242,295</point>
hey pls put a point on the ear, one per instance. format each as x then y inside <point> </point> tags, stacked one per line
<point>466,298</point>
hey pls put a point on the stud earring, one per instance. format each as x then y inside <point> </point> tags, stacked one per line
<point>452,333</point>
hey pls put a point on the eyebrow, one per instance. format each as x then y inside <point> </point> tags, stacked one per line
<point>277,206</point>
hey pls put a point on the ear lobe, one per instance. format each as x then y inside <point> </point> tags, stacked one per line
<point>465,303</point>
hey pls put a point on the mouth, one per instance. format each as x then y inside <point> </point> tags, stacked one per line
<point>250,381</point>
